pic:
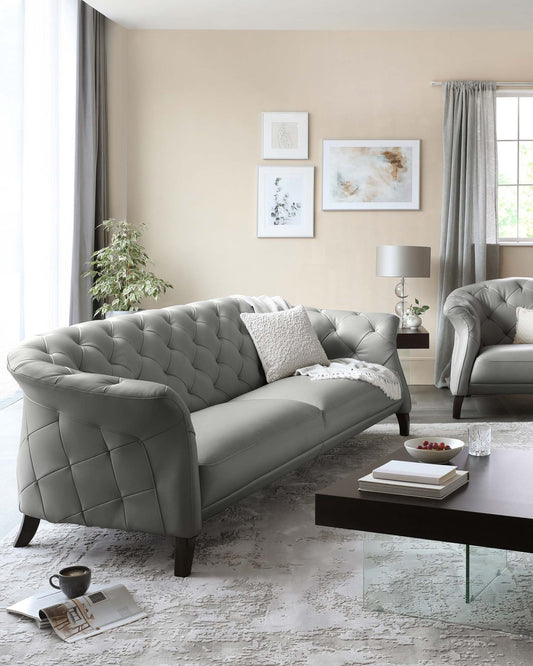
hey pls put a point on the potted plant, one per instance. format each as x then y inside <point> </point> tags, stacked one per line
<point>121,277</point>
<point>413,312</point>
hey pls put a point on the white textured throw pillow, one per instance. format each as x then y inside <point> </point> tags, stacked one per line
<point>285,341</point>
<point>524,327</point>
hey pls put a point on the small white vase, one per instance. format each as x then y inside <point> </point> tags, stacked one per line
<point>413,321</point>
<point>117,313</point>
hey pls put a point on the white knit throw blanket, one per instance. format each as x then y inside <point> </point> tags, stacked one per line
<point>265,303</point>
<point>351,368</point>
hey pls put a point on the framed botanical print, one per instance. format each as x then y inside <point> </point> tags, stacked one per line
<point>285,202</point>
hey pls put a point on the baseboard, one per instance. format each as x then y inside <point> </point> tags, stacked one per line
<point>417,369</point>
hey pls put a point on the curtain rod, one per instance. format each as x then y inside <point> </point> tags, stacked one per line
<point>500,84</point>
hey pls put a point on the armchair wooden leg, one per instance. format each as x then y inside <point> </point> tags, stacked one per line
<point>27,531</point>
<point>404,422</point>
<point>184,556</point>
<point>457,404</point>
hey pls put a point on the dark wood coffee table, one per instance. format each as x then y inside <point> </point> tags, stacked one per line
<point>495,509</point>
<point>416,576</point>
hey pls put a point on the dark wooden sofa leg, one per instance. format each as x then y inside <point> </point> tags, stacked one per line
<point>457,404</point>
<point>27,531</point>
<point>184,556</point>
<point>404,422</point>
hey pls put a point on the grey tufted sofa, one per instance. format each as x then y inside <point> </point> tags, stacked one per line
<point>484,359</point>
<point>155,421</point>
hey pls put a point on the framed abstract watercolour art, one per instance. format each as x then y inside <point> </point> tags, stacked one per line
<point>371,175</point>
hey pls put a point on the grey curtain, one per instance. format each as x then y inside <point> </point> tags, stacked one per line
<point>90,204</point>
<point>469,206</point>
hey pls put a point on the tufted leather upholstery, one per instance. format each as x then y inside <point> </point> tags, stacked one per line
<point>202,350</point>
<point>367,337</point>
<point>494,303</point>
<point>484,317</point>
<point>108,436</point>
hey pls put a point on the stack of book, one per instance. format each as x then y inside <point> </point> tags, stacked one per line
<point>415,479</point>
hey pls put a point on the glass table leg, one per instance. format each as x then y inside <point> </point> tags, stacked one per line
<point>482,567</point>
<point>448,582</point>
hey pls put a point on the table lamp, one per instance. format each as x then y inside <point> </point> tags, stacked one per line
<point>402,261</point>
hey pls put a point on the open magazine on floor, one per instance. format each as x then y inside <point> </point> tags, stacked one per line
<point>96,611</point>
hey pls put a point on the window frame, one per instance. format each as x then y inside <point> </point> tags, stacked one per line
<point>518,240</point>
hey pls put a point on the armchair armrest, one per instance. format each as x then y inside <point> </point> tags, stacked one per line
<point>460,309</point>
<point>105,451</point>
<point>368,337</point>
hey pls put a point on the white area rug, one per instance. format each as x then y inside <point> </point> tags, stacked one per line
<point>268,587</point>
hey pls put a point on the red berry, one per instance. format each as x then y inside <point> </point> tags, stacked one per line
<point>426,443</point>
<point>419,447</point>
<point>447,448</point>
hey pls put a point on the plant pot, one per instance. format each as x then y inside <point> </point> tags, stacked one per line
<point>413,321</point>
<point>117,313</point>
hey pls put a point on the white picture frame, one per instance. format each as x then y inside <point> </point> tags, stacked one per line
<point>285,135</point>
<point>371,174</point>
<point>285,202</point>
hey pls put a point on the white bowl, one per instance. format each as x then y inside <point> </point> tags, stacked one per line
<point>431,455</point>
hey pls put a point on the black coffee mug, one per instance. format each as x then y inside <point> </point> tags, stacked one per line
<point>73,581</point>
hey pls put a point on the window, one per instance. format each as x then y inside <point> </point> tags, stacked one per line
<point>514,122</point>
<point>38,69</point>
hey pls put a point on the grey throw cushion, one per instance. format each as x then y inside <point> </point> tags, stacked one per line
<point>524,326</point>
<point>285,341</point>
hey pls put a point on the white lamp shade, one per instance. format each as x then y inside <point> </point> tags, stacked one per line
<point>403,261</point>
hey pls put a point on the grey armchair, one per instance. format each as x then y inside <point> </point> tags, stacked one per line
<point>485,360</point>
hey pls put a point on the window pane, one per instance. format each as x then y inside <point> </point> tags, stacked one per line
<point>526,212</point>
<point>507,162</point>
<point>507,212</point>
<point>507,117</point>
<point>526,163</point>
<point>526,118</point>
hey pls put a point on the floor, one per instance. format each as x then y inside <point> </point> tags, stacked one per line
<point>430,405</point>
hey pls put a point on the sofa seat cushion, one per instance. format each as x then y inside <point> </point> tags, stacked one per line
<point>342,402</point>
<point>238,441</point>
<point>504,364</point>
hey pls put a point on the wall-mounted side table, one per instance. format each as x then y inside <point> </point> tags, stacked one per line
<point>409,338</point>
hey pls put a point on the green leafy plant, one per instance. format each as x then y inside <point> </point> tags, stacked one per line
<point>417,309</point>
<point>283,210</point>
<point>121,279</point>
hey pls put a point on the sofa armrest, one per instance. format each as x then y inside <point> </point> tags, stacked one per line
<point>460,309</point>
<point>368,337</point>
<point>106,451</point>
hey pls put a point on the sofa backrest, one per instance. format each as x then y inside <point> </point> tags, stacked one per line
<point>201,350</point>
<point>495,302</point>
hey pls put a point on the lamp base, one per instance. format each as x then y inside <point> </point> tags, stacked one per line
<point>399,308</point>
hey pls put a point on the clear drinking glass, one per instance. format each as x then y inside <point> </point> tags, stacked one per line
<point>479,439</point>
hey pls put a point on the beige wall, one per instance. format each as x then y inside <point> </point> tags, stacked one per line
<point>117,121</point>
<point>516,261</point>
<point>185,141</point>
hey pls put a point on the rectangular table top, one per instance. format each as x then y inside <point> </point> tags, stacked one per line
<point>495,509</point>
